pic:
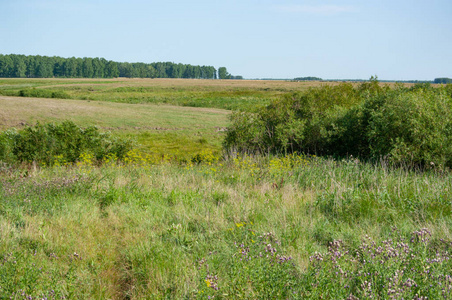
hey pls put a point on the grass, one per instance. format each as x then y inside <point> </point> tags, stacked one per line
<point>158,129</point>
<point>183,231</point>
<point>204,226</point>
<point>224,94</point>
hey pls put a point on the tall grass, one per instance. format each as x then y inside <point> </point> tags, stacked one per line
<point>249,227</point>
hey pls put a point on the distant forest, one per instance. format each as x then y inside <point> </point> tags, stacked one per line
<point>309,78</point>
<point>442,80</point>
<point>36,66</point>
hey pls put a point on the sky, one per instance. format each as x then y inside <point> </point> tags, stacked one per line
<point>330,39</point>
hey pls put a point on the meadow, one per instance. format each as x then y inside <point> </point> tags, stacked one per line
<point>199,223</point>
<point>224,94</point>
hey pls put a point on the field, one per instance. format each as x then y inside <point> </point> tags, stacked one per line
<point>159,129</point>
<point>226,94</point>
<point>170,127</point>
<point>203,224</point>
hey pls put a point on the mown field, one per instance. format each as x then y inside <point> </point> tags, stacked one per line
<point>200,223</point>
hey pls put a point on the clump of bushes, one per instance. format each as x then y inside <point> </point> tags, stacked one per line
<point>59,143</point>
<point>43,93</point>
<point>409,126</point>
<point>37,93</point>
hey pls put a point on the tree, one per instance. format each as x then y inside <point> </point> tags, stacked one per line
<point>111,69</point>
<point>6,66</point>
<point>13,65</point>
<point>44,67</point>
<point>442,80</point>
<point>87,67</point>
<point>223,73</point>
<point>127,70</point>
<point>70,67</point>
<point>19,67</point>
<point>98,68</point>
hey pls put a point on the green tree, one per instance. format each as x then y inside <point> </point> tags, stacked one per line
<point>223,73</point>
<point>19,67</point>
<point>70,67</point>
<point>6,66</point>
<point>111,69</point>
<point>87,67</point>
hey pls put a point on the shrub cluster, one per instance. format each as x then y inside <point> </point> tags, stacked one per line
<point>410,126</point>
<point>58,143</point>
<point>43,93</point>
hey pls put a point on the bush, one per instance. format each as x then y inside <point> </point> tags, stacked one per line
<point>413,128</point>
<point>43,93</point>
<point>59,143</point>
<point>406,126</point>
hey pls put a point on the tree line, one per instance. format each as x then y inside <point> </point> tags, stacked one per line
<point>36,66</point>
<point>309,78</point>
<point>442,80</point>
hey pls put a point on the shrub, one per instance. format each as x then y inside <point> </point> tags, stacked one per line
<point>406,126</point>
<point>413,128</point>
<point>43,93</point>
<point>59,143</point>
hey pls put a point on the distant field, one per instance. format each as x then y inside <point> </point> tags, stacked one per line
<point>226,94</point>
<point>161,129</point>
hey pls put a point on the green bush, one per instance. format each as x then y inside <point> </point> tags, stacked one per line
<point>43,93</point>
<point>59,143</point>
<point>413,128</point>
<point>406,126</point>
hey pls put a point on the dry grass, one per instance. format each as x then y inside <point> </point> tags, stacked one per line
<point>19,111</point>
<point>177,83</point>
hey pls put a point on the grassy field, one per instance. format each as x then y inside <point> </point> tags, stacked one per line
<point>215,227</point>
<point>160,129</point>
<point>224,94</point>
<point>172,117</point>
<point>249,228</point>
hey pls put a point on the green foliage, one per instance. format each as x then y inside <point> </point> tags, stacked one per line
<point>16,66</point>
<point>43,93</point>
<point>223,73</point>
<point>308,78</point>
<point>59,144</point>
<point>292,123</point>
<point>406,126</point>
<point>442,80</point>
<point>413,128</point>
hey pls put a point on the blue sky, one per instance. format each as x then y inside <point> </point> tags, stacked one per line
<point>332,39</point>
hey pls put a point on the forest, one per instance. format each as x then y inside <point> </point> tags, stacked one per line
<point>36,66</point>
